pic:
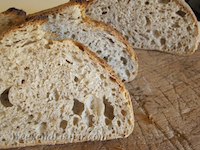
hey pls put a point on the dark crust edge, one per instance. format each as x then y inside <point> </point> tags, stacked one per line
<point>96,24</point>
<point>15,11</point>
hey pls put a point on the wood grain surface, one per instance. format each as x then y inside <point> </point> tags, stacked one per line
<point>166,100</point>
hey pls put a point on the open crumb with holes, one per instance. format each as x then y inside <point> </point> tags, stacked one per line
<point>59,92</point>
<point>68,21</point>
<point>164,25</point>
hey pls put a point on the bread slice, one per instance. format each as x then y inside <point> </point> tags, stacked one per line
<point>10,18</point>
<point>164,25</point>
<point>68,21</point>
<point>56,92</point>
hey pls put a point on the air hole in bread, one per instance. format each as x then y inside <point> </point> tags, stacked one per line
<point>153,42</point>
<point>109,110</point>
<point>23,81</point>
<point>98,52</point>
<point>106,84</point>
<point>30,117</point>
<point>181,13</point>
<point>111,40</point>
<point>43,127</point>
<point>26,68</point>
<point>105,58</point>
<point>108,121</point>
<point>73,36</point>
<point>164,1</point>
<point>21,141</point>
<point>113,94</point>
<point>35,122</point>
<point>56,95</point>
<point>124,60</point>
<point>75,121</point>
<point>186,48</point>
<point>129,122</point>
<point>63,124</point>
<point>148,21</point>
<point>15,42</point>
<point>123,112</point>
<point>118,123</point>
<point>76,79</point>
<point>91,122</point>
<point>3,140</point>
<point>66,33</point>
<point>78,107</point>
<point>147,3</point>
<point>162,41</point>
<point>127,37</point>
<point>47,46</point>
<point>156,33</point>
<point>112,79</point>
<point>113,90</point>
<point>189,28</point>
<point>102,77</point>
<point>19,108</point>
<point>179,45</point>
<point>4,98</point>
<point>28,43</point>
<point>128,73</point>
<point>68,61</point>
<point>104,12</point>
<point>176,25</point>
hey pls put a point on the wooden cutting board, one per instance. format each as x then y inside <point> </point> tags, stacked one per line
<point>166,100</point>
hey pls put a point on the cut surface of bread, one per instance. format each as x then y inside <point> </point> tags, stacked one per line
<point>56,92</point>
<point>164,25</point>
<point>10,18</point>
<point>69,22</point>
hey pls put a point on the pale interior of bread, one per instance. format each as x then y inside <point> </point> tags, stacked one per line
<point>70,24</point>
<point>55,92</point>
<point>163,25</point>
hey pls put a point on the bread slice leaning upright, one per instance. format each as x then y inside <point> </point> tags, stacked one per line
<point>56,92</point>
<point>10,18</point>
<point>164,25</point>
<point>68,21</point>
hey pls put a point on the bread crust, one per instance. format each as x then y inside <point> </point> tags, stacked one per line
<point>14,11</point>
<point>42,17</point>
<point>114,77</point>
<point>90,22</point>
<point>14,15</point>
<point>183,5</point>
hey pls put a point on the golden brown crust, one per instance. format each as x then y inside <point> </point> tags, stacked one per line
<point>12,17</point>
<point>14,11</point>
<point>18,27</point>
<point>115,33</point>
<point>95,24</point>
<point>41,17</point>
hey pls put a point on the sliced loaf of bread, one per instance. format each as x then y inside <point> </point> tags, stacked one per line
<point>164,25</point>
<point>10,18</point>
<point>56,92</point>
<point>68,21</point>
